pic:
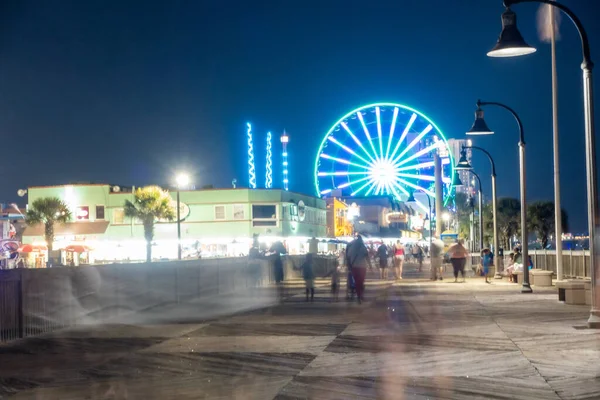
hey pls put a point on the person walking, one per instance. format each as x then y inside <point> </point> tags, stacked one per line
<point>458,258</point>
<point>358,260</point>
<point>437,257</point>
<point>308,274</point>
<point>382,253</point>
<point>398,259</point>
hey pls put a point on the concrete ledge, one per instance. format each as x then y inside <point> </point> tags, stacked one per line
<point>571,292</point>
<point>540,277</point>
<point>588,293</point>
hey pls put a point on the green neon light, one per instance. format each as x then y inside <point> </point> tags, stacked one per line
<point>385,104</point>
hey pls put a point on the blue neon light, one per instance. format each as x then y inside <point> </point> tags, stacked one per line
<point>251,168</point>
<point>269,169</point>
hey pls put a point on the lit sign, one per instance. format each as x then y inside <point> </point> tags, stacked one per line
<point>395,217</point>
<point>416,222</point>
<point>353,211</point>
<point>301,211</point>
<point>184,211</point>
<point>82,213</point>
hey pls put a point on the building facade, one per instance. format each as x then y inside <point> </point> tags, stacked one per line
<point>214,222</point>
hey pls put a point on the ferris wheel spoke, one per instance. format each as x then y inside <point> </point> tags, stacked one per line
<point>412,185</point>
<point>343,161</point>
<point>360,189</point>
<point>354,182</point>
<point>414,142</point>
<point>412,119</point>
<point>348,149</point>
<point>419,153</point>
<point>422,206</point>
<point>373,186</point>
<point>358,142</point>
<point>402,188</point>
<point>362,121</point>
<point>416,166</point>
<point>414,176</point>
<point>326,191</point>
<point>392,129</point>
<point>342,173</point>
<point>378,115</point>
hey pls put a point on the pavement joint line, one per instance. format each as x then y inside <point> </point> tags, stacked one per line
<point>516,345</point>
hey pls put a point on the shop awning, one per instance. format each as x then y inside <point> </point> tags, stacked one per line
<point>78,248</point>
<point>30,248</point>
<point>70,229</point>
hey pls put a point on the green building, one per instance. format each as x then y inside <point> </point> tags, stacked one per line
<point>214,222</point>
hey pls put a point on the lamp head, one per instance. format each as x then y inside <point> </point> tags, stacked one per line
<point>411,198</point>
<point>182,180</point>
<point>510,42</point>
<point>463,162</point>
<point>456,180</point>
<point>479,126</point>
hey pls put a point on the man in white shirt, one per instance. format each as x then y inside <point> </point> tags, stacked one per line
<point>437,255</point>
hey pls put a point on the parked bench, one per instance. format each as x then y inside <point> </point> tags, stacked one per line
<point>540,277</point>
<point>571,292</point>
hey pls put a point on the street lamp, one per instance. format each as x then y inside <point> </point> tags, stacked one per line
<point>463,164</point>
<point>411,199</point>
<point>590,145</point>
<point>182,180</point>
<point>480,199</point>
<point>481,124</point>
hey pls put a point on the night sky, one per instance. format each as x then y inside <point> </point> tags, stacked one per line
<point>131,92</point>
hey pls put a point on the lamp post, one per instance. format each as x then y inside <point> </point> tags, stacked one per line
<point>182,180</point>
<point>411,199</point>
<point>463,164</point>
<point>510,44</point>
<point>480,128</point>
<point>480,200</point>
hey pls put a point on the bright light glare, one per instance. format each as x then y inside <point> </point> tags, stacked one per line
<point>182,180</point>
<point>383,172</point>
<point>511,52</point>
<point>446,216</point>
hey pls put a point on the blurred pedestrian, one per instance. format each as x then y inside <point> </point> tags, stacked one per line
<point>358,260</point>
<point>398,259</point>
<point>458,257</point>
<point>382,253</point>
<point>308,274</point>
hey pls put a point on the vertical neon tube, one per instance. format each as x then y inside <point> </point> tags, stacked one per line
<point>251,169</point>
<point>284,157</point>
<point>269,169</point>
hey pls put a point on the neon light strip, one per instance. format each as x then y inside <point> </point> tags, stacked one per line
<point>412,119</point>
<point>343,161</point>
<point>348,149</point>
<point>251,169</point>
<point>284,157</point>
<point>269,168</point>
<point>392,129</point>
<point>361,188</point>
<point>345,185</point>
<point>420,153</point>
<point>326,191</point>
<point>414,176</point>
<point>373,185</point>
<point>378,114</point>
<point>341,173</point>
<point>416,166</point>
<point>412,185</point>
<point>402,189</point>
<point>343,124</point>
<point>414,142</point>
<point>362,121</point>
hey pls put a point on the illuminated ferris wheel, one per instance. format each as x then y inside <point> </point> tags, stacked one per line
<point>382,149</point>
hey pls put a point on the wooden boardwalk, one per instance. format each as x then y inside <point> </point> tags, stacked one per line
<point>415,339</point>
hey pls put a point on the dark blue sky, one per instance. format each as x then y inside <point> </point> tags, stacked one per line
<point>129,92</point>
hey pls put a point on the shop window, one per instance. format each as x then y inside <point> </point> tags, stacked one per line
<point>82,213</point>
<point>99,212</point>
<point>118,216</point>
<point>238,211</point>
<point>264,215</point>
<point>220,212</point>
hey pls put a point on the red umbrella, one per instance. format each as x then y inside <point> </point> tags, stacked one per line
<point>30,248</point>
<point>77,248</point>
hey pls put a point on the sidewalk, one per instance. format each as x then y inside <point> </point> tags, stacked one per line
<point>415,339</point>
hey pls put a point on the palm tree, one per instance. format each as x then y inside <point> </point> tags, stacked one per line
<point>541,220</point>
<point>48,211</point>
<point>150,204</point>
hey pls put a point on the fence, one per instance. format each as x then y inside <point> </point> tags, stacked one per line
<point>34,301</point>
<point>576,263</point>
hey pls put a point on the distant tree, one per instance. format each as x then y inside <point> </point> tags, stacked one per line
<point>48,211</point>
<point>509,222</point>
<point>540,219</point>
<point>150,204</point>
<point>463,215</point>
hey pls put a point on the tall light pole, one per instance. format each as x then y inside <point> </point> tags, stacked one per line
<point>464,164</point>
<point>182,181</point>
<point>511,44</point>
<point>480,128</point>
<point>480,201</point>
